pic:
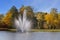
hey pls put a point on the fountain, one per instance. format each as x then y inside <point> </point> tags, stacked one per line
<point>22,23</point>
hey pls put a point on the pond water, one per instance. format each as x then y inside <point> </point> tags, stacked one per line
<point>29,35</point>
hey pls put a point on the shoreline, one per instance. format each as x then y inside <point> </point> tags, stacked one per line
<point>39,30</point>
<point>32,30</point>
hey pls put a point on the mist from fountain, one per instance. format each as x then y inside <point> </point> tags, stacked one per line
<point>22,23</point>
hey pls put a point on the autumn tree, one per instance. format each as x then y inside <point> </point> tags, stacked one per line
<point>48,19</point>
<point>9,17</point>
<point>1,17</point>
<point>58,21</point>
<point>40,18</point>
<point>55,17</point>
<point>54,13</point>
<point>52,18</point>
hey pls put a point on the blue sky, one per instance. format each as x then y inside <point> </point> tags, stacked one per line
<point>37,5</point>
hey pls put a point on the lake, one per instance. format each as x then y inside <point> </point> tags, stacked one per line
<point>4,35</point>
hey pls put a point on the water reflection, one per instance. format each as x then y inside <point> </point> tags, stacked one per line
<point>29,36</point>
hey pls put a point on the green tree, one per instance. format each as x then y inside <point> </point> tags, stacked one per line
<point>30,14</point>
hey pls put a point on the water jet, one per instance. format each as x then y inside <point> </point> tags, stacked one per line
<point>22,23</point>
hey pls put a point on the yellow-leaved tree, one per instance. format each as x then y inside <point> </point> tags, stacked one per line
<point>9,17</point>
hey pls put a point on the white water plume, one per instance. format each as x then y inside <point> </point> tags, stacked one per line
<point>22,23</point>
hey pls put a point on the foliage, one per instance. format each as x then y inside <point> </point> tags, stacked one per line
<point>39,19</point>
<point>9,17</point>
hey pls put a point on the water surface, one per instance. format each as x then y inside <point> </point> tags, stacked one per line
<point>29,36</point>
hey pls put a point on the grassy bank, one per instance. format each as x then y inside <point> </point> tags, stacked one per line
<point>39,30</point>
<point>45,30</point>
<point>32,30</point>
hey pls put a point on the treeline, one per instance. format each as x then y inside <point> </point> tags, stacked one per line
<point>40,20</point>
